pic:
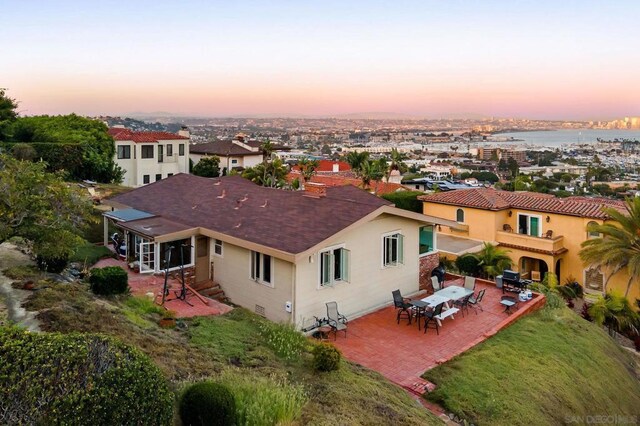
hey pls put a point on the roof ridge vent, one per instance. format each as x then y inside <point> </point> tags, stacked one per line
<point>224,193</point>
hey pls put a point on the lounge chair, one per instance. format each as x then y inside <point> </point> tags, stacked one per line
<point>337,321</point>
<point>470,283</point>
<point>474,301</point>
<point>402,304</point>
<point>430,317</point>
<point>436,283</point>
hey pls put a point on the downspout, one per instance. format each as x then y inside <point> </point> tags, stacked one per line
<point>294,304</point>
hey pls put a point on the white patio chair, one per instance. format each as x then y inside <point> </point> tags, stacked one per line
<point>470,283</point>
<point>435,283</point>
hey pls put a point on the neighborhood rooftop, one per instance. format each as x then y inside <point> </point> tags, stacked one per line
<point>492,199</point>
<point>227,147</point>
<point>290,221</point>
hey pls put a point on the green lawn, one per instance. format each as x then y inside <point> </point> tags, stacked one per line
<point>545,369</point>
<point>230,347</point>
<point>89,254</point>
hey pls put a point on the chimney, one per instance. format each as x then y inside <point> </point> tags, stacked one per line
<point>315,190</point>
<point>336,167</point>
<point>184,131</point>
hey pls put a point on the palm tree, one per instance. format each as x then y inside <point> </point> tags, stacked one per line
<point>370,171</point>
<point>619,247</point>
<point>355,160</point>
<point>615,312</point>
<point>307,168</point>
<point>493,260</point>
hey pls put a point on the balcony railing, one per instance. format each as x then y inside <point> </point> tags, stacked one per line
<point>529,242</point>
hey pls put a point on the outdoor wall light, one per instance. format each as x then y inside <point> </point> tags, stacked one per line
<point>548,219</point>
<point>510,213</point>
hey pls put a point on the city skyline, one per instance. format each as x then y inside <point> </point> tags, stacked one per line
<point>540,60</point>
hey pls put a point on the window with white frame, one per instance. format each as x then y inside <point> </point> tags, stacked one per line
<point>262,268</point>
<point>392,249</point>
<point>529,225</point>
<point>334,266</point>
<point>217,247</point>
<point>169,150</point>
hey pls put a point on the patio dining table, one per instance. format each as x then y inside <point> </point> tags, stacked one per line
<point>446,295</point>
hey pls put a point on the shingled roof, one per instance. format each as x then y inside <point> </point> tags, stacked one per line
<point>492,199</point>
<point>290,221</point>
<point>122,134</point>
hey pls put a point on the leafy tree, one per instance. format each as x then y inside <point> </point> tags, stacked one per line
<point>619,248</point>
<point>326,149</point>
<point>271,174</point>
<point>8,113</point>
<point>41,207</point>
<point>208,166</point>
<point>485,176</point>
<point>80,146</point>
<point>493,260</point>
<point>513,167</point>
<point>308,168</point>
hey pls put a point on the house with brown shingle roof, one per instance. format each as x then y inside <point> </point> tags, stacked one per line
<point>541,232</point>
<point>148,157</point>
<point>283,254</point>
<point>237,153</point>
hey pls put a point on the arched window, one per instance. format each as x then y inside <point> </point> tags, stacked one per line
<point>592,234</point>
<point>460,216</point>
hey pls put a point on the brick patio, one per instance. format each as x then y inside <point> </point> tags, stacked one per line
<point>141,284</point>
<point>402,354</point>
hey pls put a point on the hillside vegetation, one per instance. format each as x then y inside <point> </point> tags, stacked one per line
<point>240,349</point>
<point>549,368</point>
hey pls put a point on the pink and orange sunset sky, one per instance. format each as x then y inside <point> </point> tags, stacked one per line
<point>536,59</point>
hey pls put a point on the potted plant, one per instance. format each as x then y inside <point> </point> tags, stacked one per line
<point>168,320</point>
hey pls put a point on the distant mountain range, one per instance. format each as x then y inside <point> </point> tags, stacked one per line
<point>373,115</point>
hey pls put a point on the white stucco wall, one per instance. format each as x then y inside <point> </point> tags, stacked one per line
<point>233,272</point>
<point>136,167</point>
<point>370,283</point>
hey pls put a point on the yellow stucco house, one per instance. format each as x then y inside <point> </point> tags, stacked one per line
<point>541,232</point>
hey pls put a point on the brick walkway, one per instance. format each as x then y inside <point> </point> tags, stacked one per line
<point>402,354</point>
<point>141,284</point>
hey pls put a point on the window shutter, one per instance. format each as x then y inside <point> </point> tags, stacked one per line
<point>401,249</point>
<point>345,256</point>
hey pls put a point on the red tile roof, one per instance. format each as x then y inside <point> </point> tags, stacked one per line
<point>327,166</point>
<point>492,199</point>
<point>121,134</point>
<point>284,220</point>
<point>380,188</point>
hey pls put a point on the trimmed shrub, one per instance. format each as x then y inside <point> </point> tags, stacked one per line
<point>326,357</point>
<point>207,403</point>
<point>406,200</point>
<point>109,280</point>
<point>52,264</point>
<point>468,264</point>
<point>78,379</point>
